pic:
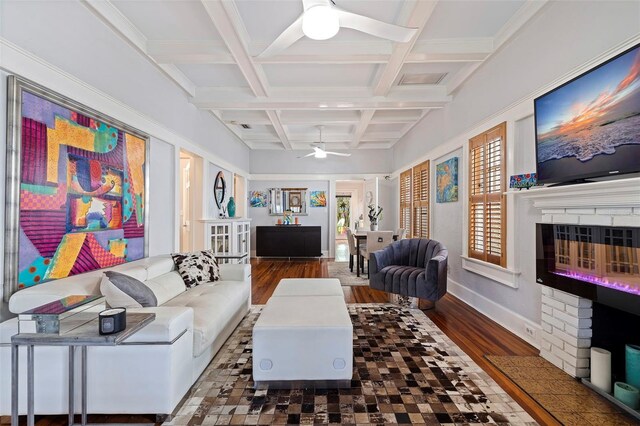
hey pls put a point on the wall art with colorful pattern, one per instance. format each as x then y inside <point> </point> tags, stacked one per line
<point>78,186</point>
<point>318,199</point>
<point>258,198</point>
<point>447,181</point>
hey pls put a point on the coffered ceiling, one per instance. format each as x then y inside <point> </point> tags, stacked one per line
<point>366,92</point>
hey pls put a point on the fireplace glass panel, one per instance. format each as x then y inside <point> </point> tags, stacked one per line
<point>573,258</point>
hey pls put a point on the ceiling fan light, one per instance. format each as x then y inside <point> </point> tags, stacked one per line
<point>320,23</point>
<point>320,154</point>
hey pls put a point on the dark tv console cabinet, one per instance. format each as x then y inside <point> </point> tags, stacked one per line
<point>288,241</point>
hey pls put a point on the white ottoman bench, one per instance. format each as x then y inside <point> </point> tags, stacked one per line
<point>308,287</point>
<point>307,338</point>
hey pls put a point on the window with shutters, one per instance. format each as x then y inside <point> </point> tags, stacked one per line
<point>420,201</point>
<point>487,208</point>
<point>405,201</point>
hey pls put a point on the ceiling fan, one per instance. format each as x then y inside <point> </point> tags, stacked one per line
<point>320,151</point>
<point>322,19</point>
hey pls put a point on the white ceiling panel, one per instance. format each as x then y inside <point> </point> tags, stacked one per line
<point>169,20</point>
<point>349,83</point>
<point>208,75</point>
<point>322,75</point>
<point>477,18</point>
<point>385,128</point>
<point>328,130</point>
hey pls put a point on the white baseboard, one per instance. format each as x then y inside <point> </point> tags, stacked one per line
<point>510,320</point>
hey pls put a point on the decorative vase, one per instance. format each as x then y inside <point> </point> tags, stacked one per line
<point>627,394</point>
<point>632,360</point>
<point>374,227</point>
<point>231,207</point>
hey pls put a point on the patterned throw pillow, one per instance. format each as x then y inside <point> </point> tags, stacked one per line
<point>196,268</point>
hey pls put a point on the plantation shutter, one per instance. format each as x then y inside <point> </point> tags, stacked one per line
<point>405,201</point>
<point>487,210</point>
<point>420,227</point>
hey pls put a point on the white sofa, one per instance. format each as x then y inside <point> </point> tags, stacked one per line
<point>153,369</point>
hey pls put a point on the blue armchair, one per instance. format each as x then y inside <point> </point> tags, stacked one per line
<point>411,267</point>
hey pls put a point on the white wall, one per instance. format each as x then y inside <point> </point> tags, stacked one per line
<point>386,200</point>
<point>563,40</point>
<point>287,162</point>
<point>317,216</point>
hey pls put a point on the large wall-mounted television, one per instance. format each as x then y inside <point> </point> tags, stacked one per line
<point>590,126</point>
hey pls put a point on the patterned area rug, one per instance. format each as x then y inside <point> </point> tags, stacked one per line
<point>406,371</point>
<point>340,270</point>
<point>566,399</point>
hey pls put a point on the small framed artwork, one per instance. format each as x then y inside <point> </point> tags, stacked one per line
<point>447,181</point>
<point>295,199</point>
<point>318,199</point>
<point>258,199</point>
<point>525,181</point>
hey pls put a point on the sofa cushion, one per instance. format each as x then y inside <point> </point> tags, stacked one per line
<point>124,291</point>
<point>159,265</point>
<point>196,268</point>
<point>214,305</point>
<point>38,295</point>
<point>169,324</point>
<point>166,286</point>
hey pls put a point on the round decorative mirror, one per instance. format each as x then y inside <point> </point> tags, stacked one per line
<point>219,189</point>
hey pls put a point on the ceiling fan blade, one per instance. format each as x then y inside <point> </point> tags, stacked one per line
<point>289,36</point>
<point>308,155</point>
<point>374,27</point>
<point>341,154</point>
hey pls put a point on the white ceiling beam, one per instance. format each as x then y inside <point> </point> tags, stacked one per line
<point>189,52</point>
<point>279,128</point>
<point>328,95</point>
<point>418,17</point>
<point>523,15</point>
<point>331,52</point>
<point>286,105</point>
<point>121,25</point>
<point>218,12</point>
<point>461,76</point>
<point>226,18</point>
<point>361,128</point>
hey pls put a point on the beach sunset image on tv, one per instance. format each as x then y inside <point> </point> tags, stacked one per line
<point>591,125</point>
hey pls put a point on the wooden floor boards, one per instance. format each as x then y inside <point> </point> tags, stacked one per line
<point>473,332</point>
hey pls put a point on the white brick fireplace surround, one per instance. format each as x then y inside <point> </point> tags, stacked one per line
<point>566,318</point>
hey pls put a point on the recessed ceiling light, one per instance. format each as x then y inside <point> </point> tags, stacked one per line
<point>426,78</point>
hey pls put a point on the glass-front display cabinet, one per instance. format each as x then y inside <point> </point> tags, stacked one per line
<point>229,239</point>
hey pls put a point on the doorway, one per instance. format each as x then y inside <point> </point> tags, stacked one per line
<point>349,214</point>
<point>190,200</point>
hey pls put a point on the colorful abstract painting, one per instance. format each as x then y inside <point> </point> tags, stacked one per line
<point>82,193</point>
<point>318,199</point>
<point>258,199</point>
<point>447,181</point>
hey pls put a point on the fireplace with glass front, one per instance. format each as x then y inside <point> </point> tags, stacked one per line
<point>601,264</point>
<point>595,262</point>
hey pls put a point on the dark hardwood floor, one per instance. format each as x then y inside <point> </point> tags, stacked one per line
<point>475,333</point>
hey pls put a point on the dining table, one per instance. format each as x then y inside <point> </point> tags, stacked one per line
<point>361,238</point>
